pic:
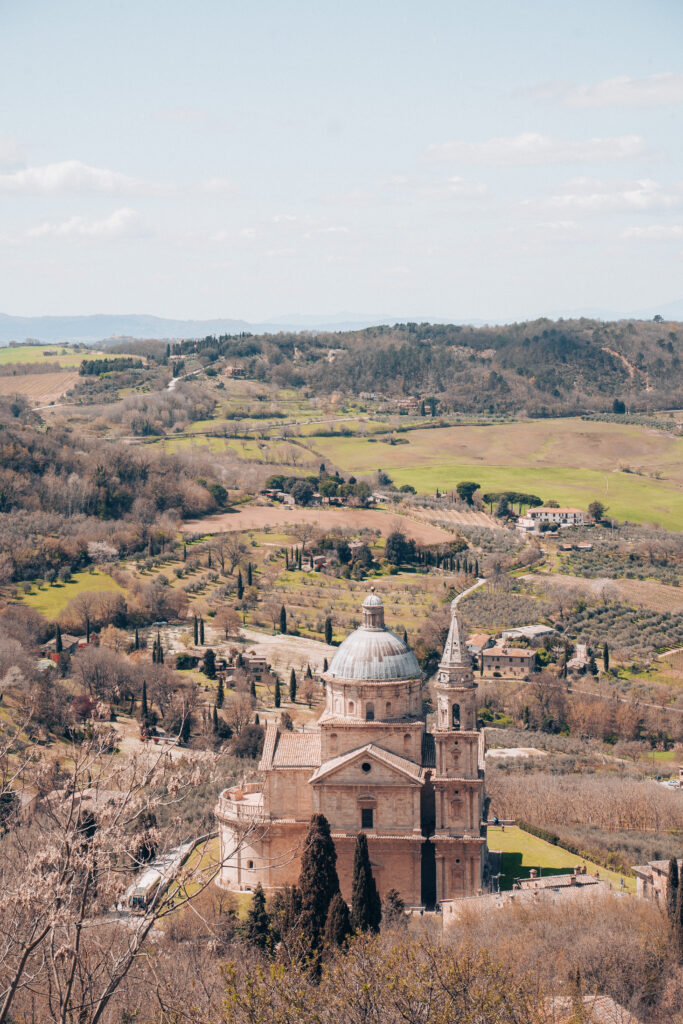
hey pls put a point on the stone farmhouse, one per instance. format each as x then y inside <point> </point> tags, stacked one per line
<point>652,880</point>
<point>506,662</point>
<point>562,517</point>
<point>371,765</point>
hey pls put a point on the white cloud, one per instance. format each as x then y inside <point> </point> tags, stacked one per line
<point>534,148</point>
<point>589,196</point>
<point>459,187</point>
<point>217,186</point>
<point>11,153</point>
<point>72,177</point>
<point>123,223</point>
<point>653,91</point>
<point>655,232</point>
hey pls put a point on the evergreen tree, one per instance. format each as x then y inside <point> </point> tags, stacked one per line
<point>184,552</point>
<point>137,639</point>
<point>328,630</point>
<point>252,688</point>
<point>209,663</point>
<point>476,567</point>
<point>405,637</point>
<point>338,924</point>
<point>393,909</point>
<point>208,559</point>
<point>672,889</point>
<point>678,924</point>
<point>605,656</point>
<point>220,693</point>
<point>160,650</point>
<point>292,686</point>
<point>366,909</point>
<point>58,640</point>
<point>325,665</point>
<point>250,575</point>
<point>309,674</point>
<point>277,701</point>
<point>318,881</point>
<point>283,619</point>
<point>144,710</point>
<point>592,665</point>
<point>286,559</point>
<point>240,586</point>
<point>257,925</point>
<point>201,631</point>
<point>196,631</point>
<point>215,719</point>
<point>87,629</point>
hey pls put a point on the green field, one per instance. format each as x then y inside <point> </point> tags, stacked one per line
<point>522,851</point>
<point>64,355</point>
<point>571,460</point>
<point>51,600</point>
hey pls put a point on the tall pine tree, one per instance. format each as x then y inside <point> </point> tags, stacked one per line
<point>318,881</point>
<point>366,908</point>
<point>673,883</point>
<point>257,925</point>
<point>338,924</point>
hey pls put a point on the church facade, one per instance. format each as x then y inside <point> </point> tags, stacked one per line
<point>371,765</point>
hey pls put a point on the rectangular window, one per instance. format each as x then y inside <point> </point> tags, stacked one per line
<point>366,816</point>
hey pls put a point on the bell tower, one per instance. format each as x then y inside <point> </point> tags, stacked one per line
<point>459,776</point>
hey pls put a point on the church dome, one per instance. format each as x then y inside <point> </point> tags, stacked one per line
<point>372,652</point>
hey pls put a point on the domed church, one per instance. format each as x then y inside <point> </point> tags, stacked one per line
<point>371,765</point>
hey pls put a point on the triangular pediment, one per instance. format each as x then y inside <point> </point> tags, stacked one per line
<point>345,764</point>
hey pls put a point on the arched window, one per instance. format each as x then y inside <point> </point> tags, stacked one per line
<point>456,716</point>
<point>406,742</point>
<point>352,707</point>
<point>369,712</point>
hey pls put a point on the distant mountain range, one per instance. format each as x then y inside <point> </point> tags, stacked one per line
<point>103,327</point>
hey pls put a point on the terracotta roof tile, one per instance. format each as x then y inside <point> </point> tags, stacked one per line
<point>297,750</point>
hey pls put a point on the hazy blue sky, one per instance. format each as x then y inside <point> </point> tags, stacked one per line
<point>436,158</point>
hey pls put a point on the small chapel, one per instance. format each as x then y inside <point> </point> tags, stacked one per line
<point>371,765</point>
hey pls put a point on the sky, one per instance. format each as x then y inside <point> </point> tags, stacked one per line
<point>442,159</point>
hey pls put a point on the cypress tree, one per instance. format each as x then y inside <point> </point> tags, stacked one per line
<point>87,629</point>
<point>257,926</point>
<point>196,631</point>
<point>283,619</point>
<point>208,559</point>
<point>209,663</point>
<point>201,631</point>
<point>220,693</point>
<point>277,699</point>
<point>292,686</point>
<point>366,909</point>
<point>678,924</point>
<point>137,639</point>
<point>58,640</point>
<point>215,719</point>
<point>240,585</point>
<point>405,637</point>
<point>328,630</point>
<point>338,924</point>
<point>144,710</point>
<point>476,567</point>
<point>160,650</point>
<point>184,552</point>
<point>605,656</point>
<point>309,674</point>
<point>286,559</point>
<point>325,665</point>
<point>672,890</point>
<point>318,881</point>
<point>250,575</point>
<point>252,688</point>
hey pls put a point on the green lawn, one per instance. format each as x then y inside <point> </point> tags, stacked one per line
<point>65,355</point>
<point>51,600</point>
<point>522,851</point>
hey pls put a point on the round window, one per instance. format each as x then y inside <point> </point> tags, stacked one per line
<point>366,766</point>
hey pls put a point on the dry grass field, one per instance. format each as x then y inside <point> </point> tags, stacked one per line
<point>256,517</point>
<point>39,388</point>
<point>644,593</point>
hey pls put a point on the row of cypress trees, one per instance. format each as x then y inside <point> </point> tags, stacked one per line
<point>674,906</point>
<point>316,906</point>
